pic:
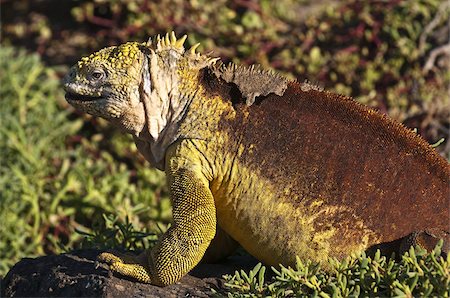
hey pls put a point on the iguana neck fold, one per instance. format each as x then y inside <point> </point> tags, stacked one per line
<point>169,84</point>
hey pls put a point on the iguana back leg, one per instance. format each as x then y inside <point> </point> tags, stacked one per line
<point>426,239</point>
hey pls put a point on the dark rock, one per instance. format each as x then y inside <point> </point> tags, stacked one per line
<point>74,275</point>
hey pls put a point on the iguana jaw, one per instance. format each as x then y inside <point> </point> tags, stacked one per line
<point>79,95</point>
<point>121,108</point>
<point>75,98</point>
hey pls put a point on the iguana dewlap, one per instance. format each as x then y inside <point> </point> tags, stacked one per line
<point>281,167</point>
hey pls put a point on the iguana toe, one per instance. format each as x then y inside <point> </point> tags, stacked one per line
<point>109,258</point>
<point>127,265</point>
<point>135,271</point>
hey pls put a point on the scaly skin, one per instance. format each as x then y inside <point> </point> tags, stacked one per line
<point>283,168</point>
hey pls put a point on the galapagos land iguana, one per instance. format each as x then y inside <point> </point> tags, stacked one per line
<point>280,167</point>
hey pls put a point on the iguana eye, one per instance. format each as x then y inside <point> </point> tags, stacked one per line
<point>97,74</point>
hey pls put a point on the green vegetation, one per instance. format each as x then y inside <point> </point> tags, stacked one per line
<point>68,180</point>
<point>417,274</point>
<point>113,233</point>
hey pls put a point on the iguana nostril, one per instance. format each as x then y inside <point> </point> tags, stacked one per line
<point>68,78</point>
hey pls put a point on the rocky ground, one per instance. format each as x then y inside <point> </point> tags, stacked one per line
<point>75,275</point>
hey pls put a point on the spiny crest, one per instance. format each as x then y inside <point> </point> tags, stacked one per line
<point>307,86</point>
<point>252,81</point>
<point>170,42</point>
<point>254,69</point>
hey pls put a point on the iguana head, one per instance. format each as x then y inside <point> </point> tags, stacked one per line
<point>142,87</point>
<point>107,83</point>
<point>119,83</point>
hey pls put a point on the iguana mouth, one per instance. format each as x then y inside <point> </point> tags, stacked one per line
<point>79,97</point>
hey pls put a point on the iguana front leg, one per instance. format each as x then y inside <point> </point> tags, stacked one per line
<point>184,244</point>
